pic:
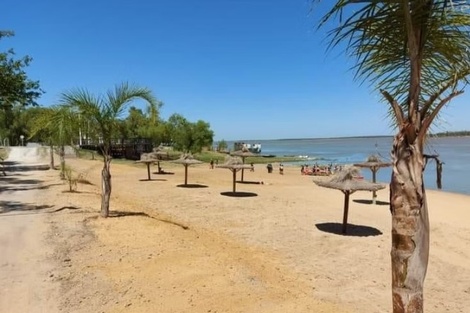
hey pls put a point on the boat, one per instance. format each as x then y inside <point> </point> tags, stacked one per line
<point>252,147</point>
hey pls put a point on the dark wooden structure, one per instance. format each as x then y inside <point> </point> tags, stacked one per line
<point>130,149</point>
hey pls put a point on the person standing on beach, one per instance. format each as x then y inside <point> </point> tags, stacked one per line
<point>281,169</point>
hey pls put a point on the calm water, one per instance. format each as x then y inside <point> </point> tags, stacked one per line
<point>453,151</point>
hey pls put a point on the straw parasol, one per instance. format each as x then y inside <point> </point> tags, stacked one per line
<point>243,153</point>
<point>346,182</point>
<point>187,160</point>
<point>158,153</point>
<point>374,163</point>
<point>148,159</point>
<point>234,164</point>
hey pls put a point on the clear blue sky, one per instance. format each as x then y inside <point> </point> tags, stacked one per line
<point>253,69</point>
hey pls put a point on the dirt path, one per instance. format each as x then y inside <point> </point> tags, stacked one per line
<point>25,266</point>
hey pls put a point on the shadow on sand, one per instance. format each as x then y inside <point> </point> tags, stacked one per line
<point>352,230</point>
<point>191,186</point>
<point>152,179</point>
<point>239,194</point>
<point>15,206</point>
<point>163,173</point>
<point>118,214</point>
<point>377,202</point>
<point>248,182</point>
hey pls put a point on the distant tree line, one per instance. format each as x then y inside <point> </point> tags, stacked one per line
<point>460,133</point>
<point>22,119</point>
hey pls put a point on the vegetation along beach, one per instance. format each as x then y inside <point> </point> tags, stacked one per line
<point>235,156</point>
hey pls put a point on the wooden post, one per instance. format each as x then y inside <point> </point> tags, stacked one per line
<point>186,174</point>
<point>374,193</point>
<point>234,179</point>
<point>243,170</point>
<point>148,170</point>
<point>346,210</point>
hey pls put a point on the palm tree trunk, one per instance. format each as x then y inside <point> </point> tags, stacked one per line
<point>51,154</point>
<point>410,224</point>
<point>62,161</point>
<point>105,185</point>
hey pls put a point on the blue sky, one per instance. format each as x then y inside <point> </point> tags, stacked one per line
<point>253,69</point>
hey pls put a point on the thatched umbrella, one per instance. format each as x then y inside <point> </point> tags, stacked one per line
<point>346,182</point>
<point>374,163</point>
<point>187,160</point>
<point>148,159</point>
<point>234,164</point>
<point>243,153</point>
<point>159,153</point>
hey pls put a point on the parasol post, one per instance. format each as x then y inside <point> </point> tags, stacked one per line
<point>346,210</point>
<point>243,170</point>
<point>148,170</point>
<point>374,193</point>
<point>234,180</point>
<point>186,174</point>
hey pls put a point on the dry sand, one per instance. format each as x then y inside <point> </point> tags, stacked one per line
<point>175,249</point>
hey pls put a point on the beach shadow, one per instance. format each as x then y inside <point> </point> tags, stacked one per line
<point>118,214</point>
<point>11,188</point>
<point>163,173</point>
<point>239,194</point>
<point>65,208</point>
<point>377,202</point>
<point>248,182</point>
<point>79,192</point>
<point>191,186</point>
<point>15,206</point>
<point>152,179</point>
<point>352,230</point>
<point>26,168</point>
<point>8,163</point>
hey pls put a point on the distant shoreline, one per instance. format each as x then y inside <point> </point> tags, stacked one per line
<point>439,135</point>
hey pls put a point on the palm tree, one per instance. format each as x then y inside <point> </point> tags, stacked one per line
<point>416,53</point>
<point>58,126</point>
<point>103,112</point>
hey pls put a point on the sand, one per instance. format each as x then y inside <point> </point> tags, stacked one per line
<point>277,249</point>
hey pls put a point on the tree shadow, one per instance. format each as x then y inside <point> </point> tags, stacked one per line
<point>239,194</point>
<point>19,181</point>
<point>118,214</point>
<point>9,163</point>
<point>248,182</point>
<point>26,168</point>
<point>377,202</point>
<point>15,206</point>
<point>352,230</point>
<point>11,188</point>
<point>152,179</point>
<point>191,186</point>
<point>163,173</point>
<point>79,192</point>
<point>65,208</point>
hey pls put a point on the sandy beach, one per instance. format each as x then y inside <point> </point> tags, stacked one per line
<point>168,248</point>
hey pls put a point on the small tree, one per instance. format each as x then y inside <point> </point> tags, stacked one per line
<point>104,112</point>
<point>222,145</point>
<point>16,89</point>
<point>58,125</point>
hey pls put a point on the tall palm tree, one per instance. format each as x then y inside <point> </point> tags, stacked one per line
<point>103,112</point>
<point>416,53</point>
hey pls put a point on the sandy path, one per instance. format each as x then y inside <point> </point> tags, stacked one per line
<point>24,265</point>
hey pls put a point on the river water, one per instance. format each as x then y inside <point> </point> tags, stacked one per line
<point>453,151</point>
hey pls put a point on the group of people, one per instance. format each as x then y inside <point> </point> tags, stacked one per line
<point>319,170</point>
<point>270,168</point>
